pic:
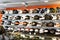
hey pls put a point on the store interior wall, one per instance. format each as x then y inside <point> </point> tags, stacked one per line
<point>35,6</point>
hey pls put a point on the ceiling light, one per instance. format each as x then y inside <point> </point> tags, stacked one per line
<point>45,1</point>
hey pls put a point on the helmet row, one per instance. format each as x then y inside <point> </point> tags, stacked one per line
<point>41,31</point>
<point>37,10</point>
<point>33,23</point>
<point>34,17</point>
<point>35,31</point>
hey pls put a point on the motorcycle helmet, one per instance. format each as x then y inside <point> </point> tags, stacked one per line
<point>36,17</point>
<point>2,22</point>
<point>58,9</point>
<point>9,22</point>
<point>6,17</point>
<point>57,25</point>
<point>35,11</point>
<point>34,23</point>
<point>52,31</point>
<point>52,10</point>
<point>27,17</point>
<point>50,24</point>
<point>48,17</point>
<point>18,17</point>
<point>16,22</point>
<point>42,11</point>
<point>3,12</point>
<point>25,23</point>
<point>25,11</point>
<point>58,16</point>
<point>15,12</point>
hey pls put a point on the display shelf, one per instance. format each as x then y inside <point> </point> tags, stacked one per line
<point>39,27</point>
<point>34,22</point>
